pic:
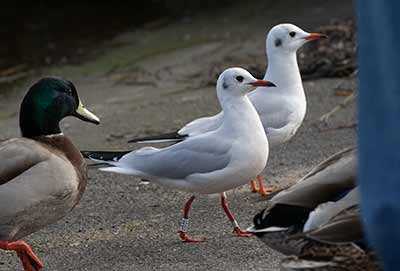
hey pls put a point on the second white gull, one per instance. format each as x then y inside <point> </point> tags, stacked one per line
<point>281,109</point>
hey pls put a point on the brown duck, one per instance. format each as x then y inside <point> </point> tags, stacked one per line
<point>42,174</point>
<point>317,220</point>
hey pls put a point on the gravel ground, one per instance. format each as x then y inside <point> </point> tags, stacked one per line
<point>154,80</point>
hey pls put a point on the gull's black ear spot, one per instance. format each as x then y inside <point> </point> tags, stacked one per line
<point>224,85</point>
<point>278,42</point>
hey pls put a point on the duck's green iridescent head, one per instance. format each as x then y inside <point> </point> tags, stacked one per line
<point>47,102</point>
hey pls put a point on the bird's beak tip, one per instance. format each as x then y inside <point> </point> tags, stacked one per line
<point>262,83</point>
<point>315,36</point>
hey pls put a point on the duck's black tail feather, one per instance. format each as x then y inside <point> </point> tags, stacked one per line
<point>163,138</point>
<point>104,155</point>
<point>282,215</point>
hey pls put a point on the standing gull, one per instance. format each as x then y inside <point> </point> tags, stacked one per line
<point>281,109</point>
<point>212,162</point>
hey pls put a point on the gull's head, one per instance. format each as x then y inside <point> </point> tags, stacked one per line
<point>287,38</point>
<point>238,82</point>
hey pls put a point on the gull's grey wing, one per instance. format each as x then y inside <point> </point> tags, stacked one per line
<point>195,155</point>
<point>202,125</point>
<point>274,116</point>
<point>274,111</point>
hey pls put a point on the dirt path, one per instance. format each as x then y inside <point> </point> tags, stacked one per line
<point>155,80</point>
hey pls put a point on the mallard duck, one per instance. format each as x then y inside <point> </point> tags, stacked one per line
<point>42,174</point>
<point>317,220</point>
<point>338,244</point>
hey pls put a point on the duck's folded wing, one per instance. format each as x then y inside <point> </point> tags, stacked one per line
<point>346,227</point>
<point>328,211</point>
<point>328,181</point>
<point>37,187</point>
<point>341,158</point>
<point>17,156</point>
<point>24,177</point>
<point>197,155</point>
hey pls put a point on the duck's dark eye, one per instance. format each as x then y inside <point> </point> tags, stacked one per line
<point>239,78</point>
<point>292,34</point>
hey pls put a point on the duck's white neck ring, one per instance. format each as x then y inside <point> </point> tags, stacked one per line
<point>54,135</point>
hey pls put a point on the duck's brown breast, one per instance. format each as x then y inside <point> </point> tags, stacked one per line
<point>63,146</point>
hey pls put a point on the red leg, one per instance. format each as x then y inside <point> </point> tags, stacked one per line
<point>29,260</point>
<point>236,228</point>
<point>263,191</point>
<point>185,224</point>
<point>253,187</point>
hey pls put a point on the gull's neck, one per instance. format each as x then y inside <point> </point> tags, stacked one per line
<point>240,115</point>
<point>284,71</point>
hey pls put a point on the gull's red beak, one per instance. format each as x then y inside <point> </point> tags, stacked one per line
<point>316,36</point>
<point>262,83</point>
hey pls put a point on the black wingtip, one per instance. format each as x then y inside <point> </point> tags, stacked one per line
<point>168,136</point>
<point>104,155</point>
<point>85,154</point>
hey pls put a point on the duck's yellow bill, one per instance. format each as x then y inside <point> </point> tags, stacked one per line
<point>85,115</point>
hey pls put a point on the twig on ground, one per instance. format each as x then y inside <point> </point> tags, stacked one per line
<point>324,118</point>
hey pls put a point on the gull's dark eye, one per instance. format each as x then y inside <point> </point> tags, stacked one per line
<point>292,34</point>
<point>239,78</point>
